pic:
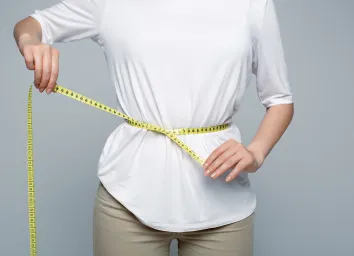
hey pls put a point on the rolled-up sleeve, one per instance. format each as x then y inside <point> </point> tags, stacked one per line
<point>268,62</point>
<point>69,20</point>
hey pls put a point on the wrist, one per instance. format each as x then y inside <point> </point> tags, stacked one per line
<point>258,153</point>
<point>26,39</point>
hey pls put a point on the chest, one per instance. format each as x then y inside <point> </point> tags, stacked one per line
<point>180,27</point>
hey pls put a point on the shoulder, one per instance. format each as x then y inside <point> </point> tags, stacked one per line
<point>259,3</point>
<point>257,8</point>
<point>85,4</point>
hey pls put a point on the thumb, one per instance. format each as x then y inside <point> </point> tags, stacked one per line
<point>29,58</point>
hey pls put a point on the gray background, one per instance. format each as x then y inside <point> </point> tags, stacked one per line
<point>305,188</point>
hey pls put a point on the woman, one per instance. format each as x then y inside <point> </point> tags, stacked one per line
<point>175,64</point>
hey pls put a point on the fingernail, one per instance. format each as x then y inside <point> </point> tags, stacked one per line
<point>228,178</point>
<point>49,91</point>
<point>213,175</point>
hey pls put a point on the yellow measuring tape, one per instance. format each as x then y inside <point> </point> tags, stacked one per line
<point>172,134</point>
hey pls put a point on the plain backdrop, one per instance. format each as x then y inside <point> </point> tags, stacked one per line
<point>305,188</point>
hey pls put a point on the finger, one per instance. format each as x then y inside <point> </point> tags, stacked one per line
<point>47,67</point>
<point>29,60</point>
<point>240,166</point>
<point>227,165</point>
<point>218,151</point>
<point>224,156</point>
<point>38,58</point>
<point>54,72</point>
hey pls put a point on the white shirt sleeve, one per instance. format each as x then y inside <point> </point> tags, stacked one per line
<point>69,20</point>
<point>268,62</point>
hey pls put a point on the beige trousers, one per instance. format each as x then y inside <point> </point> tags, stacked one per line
<point>117,232</point>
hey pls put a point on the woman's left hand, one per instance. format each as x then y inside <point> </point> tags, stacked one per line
<point>231,154</point>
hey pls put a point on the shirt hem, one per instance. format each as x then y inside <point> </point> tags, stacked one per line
<point>194,227</point>
<point>185,227</point>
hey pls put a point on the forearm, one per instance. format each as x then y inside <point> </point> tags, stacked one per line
<point>272,127</point>
<point>27,31</point>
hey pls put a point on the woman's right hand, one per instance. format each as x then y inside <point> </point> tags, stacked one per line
<point>44,60</point>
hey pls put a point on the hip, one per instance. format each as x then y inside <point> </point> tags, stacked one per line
<point>118,231</point>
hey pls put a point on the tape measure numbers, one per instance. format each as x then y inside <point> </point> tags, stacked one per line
<point>172,134</point>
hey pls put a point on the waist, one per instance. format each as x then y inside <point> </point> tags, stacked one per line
<point>172,134</point>
<point>178,131</point>
<point>128,144</point>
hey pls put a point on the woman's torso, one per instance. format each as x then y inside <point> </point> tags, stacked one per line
<point>177,64</point>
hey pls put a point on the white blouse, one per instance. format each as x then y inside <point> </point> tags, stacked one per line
<point>177,64</point>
